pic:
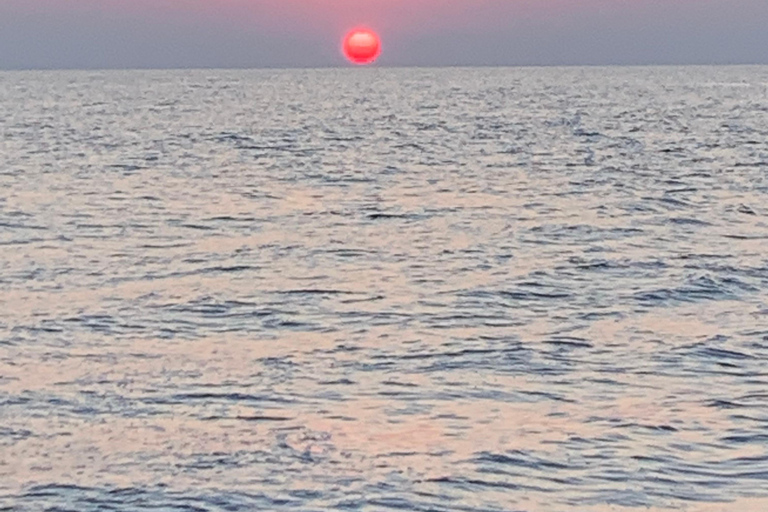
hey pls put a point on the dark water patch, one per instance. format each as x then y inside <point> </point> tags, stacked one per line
<point>469,484</point>
<point>315,291</point>
<point>393,216</point>
<point>722,354</point>
<point>724,404</point>
<point>651,428</point>
<point>228,218</point>
<point>686,221</point>
<point>158,497</point>
<point>250,419</point>
<point>738,236</point>
<point>569,343</point>
<point>11,435</point>
<point>520,459</point>
<point>338,382</point>
<point>694,289</point>
<point>759,439</point>
<point>223,397</point>
<point>199,227</point>
<point>218,269</point>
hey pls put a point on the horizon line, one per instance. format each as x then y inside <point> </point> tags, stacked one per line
<point>380,67</point>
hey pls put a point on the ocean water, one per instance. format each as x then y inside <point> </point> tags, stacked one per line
<point>384,289</point>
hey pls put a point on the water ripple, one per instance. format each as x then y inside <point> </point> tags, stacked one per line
<point>438,290</point>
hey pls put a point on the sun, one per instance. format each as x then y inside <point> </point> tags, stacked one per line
<point>362,46</point>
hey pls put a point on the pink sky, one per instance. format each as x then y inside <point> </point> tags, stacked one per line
<point>481,31</point>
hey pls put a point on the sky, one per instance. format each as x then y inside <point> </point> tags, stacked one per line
<point>64,34</point>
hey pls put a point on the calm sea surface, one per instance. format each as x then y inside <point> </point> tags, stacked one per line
<point>378,289</point>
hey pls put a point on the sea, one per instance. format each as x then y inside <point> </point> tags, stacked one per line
<point>460,289</point>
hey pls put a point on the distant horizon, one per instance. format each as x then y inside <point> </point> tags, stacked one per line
<point>352,68</point>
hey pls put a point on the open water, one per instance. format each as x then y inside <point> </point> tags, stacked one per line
<point>384,289</point>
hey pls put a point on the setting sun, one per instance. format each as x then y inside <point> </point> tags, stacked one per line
<point>362,46</point>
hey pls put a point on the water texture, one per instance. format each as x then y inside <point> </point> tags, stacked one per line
<point>382,289</point>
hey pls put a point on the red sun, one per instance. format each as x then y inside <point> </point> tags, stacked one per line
<point>362,46</point>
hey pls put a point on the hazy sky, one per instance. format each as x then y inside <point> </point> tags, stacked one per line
<point>287,33</point>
